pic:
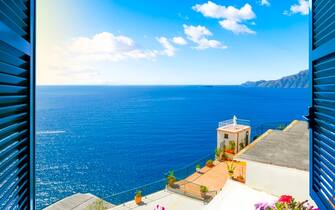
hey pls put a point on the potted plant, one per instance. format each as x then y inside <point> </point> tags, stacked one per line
<point>138,197</point>
<point>171,179</point>
<point>197,167</point>
<point>224,156</point>
<point>230,169</point>
<point>232,146</point>
<point>210,163</point>
<point>203,190</point>
<point>220,154</point>
<point>239,178</point>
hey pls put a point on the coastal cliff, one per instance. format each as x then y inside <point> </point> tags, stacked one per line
<point>299,80</point>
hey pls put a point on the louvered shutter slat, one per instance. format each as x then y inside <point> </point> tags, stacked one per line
<point>11,89</point>
<point>13,70</point>
<point>5,100</point>
<point>16,104</point>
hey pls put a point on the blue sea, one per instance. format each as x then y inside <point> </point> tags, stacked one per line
<point>106,139</point>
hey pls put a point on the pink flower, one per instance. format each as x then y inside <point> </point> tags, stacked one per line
<point>285,199</point>
<point>262,206</point>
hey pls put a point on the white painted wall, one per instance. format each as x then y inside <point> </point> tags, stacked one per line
<point>221,139</point>
<point>277,180</point>
<point>232,137</point>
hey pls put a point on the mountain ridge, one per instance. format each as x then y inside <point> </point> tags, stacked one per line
<point>299,80</point>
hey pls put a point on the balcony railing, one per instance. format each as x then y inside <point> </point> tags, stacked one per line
<point>192,190</point>
<point>182,173</point>
<point>128,195</point>
<point>238,121</point>
<point>147,189</point>
<point>260,129</point>
<point>187,188</point>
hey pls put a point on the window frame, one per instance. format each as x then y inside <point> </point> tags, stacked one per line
<point>32,94</point>
<point>314,54</point>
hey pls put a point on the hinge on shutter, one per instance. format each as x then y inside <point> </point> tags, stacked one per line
<point>310,117</point>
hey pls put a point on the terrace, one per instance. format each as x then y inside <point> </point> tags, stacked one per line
<point>223,178</point>
<point>212,177</point>
<point>186,193</point>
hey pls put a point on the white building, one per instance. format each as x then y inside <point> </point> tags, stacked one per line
<point>277,162</point>
<point>233,135</point>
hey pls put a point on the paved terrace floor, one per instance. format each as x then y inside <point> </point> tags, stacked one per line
<point>214,178</point>
<point>169,200</point>
<point>288,148</point>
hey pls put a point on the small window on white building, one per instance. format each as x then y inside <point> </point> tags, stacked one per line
<point>226,135</point>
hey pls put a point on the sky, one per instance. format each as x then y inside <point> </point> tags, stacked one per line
<point>169,42</point>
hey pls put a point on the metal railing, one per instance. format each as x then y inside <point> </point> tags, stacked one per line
<point>193,190</point>
<point>128,195</point>
<point>189,169</point>
<point>260,129</point>
<point>257,130</point>
<point>238,121</point>
<point>187,188</point>
<point>180,173</point>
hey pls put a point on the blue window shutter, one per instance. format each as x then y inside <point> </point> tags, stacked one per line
<point>322,111</point>
<point>17,87</point>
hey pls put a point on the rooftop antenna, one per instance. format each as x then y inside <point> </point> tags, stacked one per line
<point>234,121</point>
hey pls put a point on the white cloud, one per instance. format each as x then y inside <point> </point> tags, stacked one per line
<point>265,3</point>
<point>195,33</point>
<point>198,34</point>
<point>301,8</point>
<point>233,18</point>
<point>179,40</point>
<point>169,49</point>
<point>84,60</point>
<point>213,10</point>
<point>108,47</point>
<point>235,27</point>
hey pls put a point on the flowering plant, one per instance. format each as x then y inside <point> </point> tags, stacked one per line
<point>285,202</point>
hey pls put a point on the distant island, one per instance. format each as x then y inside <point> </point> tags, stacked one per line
<point>299,80</point>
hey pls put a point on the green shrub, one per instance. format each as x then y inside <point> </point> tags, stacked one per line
<point>218,152</point>
<point>232,145</point>
<point>171,179</point>
<point>209,163</point>
<point>138,193</point>
<point>203,189</point>
<point>230,168</point>
<point>241,146</point>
